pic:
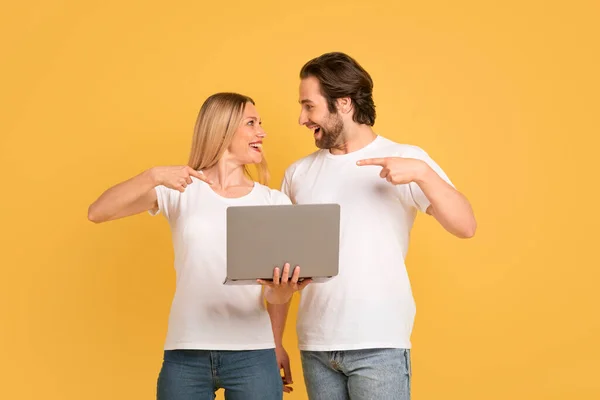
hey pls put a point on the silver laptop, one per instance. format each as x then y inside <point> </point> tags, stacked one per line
<point>260,238</point>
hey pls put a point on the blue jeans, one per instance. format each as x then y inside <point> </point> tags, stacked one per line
<point>370,374</point>
<point>197,374</point>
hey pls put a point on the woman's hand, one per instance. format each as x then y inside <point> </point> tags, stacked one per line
<point>177,177</point>
<point>280,291</point>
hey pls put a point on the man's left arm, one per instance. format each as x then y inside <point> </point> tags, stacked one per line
<point>448,206</point>
<point>430,191</point>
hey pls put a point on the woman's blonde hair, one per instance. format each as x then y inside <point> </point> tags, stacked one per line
<point>219,118</point>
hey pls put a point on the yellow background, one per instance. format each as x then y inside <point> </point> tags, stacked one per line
<point>503,95</point>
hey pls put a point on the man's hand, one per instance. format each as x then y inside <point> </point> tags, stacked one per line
<point>283,361</point>
<point>397,170</point>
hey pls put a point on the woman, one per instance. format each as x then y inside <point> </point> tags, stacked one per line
<point>218,336</point>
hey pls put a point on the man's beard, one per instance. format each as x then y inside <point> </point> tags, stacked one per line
<point>331,133</point>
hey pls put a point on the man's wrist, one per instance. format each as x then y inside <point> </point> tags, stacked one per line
<point>152,176</point>
<point>423,173</point>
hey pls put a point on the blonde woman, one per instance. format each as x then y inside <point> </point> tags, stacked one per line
<point>218,336</point>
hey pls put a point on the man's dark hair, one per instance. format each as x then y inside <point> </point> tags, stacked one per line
<point>341,76</point>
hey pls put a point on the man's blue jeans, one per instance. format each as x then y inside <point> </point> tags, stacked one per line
<point>370,374</point>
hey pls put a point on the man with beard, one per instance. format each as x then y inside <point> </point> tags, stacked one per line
<point>354,331</point>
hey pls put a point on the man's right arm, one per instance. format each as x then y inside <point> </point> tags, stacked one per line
<point>278,314</point>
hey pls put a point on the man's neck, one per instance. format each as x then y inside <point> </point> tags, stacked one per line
<point>354,138</point>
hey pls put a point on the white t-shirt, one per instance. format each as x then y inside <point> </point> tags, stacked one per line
<point>205,314</point>
<point>370,303</point>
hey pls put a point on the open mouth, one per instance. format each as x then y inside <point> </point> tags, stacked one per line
<point>256,146</point>
<point>316,130</point>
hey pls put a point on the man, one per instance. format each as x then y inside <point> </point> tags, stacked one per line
<point>354,331</point>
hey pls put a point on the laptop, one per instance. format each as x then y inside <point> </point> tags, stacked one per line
<point>260,238</point>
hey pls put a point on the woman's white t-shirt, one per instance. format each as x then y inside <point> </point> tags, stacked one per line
<point>205,313</point>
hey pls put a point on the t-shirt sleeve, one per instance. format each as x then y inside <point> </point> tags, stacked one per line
<point>280,198</point>
<point>420,200</point>
<point>168,201</point>
<point>286,186</point>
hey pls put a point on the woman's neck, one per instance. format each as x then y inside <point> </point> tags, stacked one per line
<point>227,174</point>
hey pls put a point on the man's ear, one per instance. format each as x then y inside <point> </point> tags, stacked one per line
<point>344,105</point>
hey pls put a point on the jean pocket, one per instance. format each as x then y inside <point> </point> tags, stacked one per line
<point>407,364</point>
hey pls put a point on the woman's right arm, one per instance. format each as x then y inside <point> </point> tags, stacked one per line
<point>137,194</point>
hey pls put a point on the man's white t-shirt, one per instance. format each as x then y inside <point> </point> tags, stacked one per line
<point>370,303</point>
<point>205,313</point>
